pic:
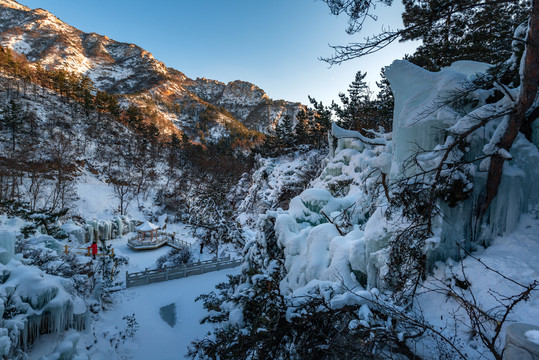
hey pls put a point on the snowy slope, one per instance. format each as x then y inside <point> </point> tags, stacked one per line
<point>515,255</point>
<point>276,180</point>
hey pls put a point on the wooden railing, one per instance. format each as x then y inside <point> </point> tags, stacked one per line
<point>177,272</point>
<point>178,243</point>
<point>85,251</point>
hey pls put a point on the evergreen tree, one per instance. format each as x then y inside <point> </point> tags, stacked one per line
<point>462,30</point>
<point>12,120</point>
<point>302,133</point>
<point>134,116</point>
<point>175,141</point>
<point>101,103</point>
<point>384,103</point>
<point>321,124</point>
<point>113,107</point>
<point>284,132</point>
<point>152,131</point>
<point>358,89</point>
<point>358,111</point>
<point>450,29</point>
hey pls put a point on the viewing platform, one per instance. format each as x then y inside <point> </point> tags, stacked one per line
<point>137,244</point>
<point>149,238</point>
<point>162,239</point>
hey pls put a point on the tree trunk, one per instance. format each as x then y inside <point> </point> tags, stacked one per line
<point>529,83</point>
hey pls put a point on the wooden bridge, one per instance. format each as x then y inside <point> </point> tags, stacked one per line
<point>177,272</point>
<point>162,239</point>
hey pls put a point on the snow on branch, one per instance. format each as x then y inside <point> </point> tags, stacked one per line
<point>341,133</point>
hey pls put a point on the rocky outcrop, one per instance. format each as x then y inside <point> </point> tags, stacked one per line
<point>247,102</point>
<point>42,37</point>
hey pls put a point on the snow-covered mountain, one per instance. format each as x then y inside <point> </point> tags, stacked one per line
<point>133,72</point>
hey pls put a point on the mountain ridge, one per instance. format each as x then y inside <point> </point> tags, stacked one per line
<point>132,72</point>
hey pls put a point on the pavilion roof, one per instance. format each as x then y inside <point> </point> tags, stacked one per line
<point>147,226</point>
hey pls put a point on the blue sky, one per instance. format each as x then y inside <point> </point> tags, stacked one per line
<point>274,44</point>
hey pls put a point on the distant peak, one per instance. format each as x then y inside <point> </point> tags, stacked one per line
<point>14,5</point>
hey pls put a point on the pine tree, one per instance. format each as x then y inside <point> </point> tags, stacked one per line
<point>321,124</point>
<point>113,107</point>
<point>101,103</point>
<point>284,132</point>
<point>133,116</point>
<point>450,29</point>
<point>12,120</point>
<point>303,117</point>
<point>384,103</point>
<point>356,108</point>
<point>358,89</point>
<point>462,30</point>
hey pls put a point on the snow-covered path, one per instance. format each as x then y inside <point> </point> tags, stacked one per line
<point>155,339</point>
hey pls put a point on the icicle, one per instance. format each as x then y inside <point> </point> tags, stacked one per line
<point>89,233</point>
<point>131,224</point>
<point>7,241</point>
<point>81,322</point>
<point>120,226</point>
<point>108,230</point>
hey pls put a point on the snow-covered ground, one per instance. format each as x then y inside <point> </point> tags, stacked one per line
<point>155,338</point>
<point>96,200</point>
<point>516,256</point>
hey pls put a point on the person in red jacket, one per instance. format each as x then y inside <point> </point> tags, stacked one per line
<point>93,247</point>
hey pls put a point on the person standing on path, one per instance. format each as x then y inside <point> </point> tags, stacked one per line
<point>94,249</point>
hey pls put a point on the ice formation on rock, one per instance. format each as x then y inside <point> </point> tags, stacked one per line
<point>422,112</point>
<point>312,234</point>
<point>7,242</point>
<point>32,302</point>
<point>99,229</point>
<point>65,350</point>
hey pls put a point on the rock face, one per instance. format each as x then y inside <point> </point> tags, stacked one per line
<point>129,70</point>
<point>247,102</point>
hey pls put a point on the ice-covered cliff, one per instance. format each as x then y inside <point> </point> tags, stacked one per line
<point>385,253</point>
<point>340,230</point>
